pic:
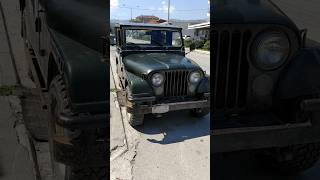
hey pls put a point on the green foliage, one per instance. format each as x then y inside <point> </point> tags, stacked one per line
<point>199,44</point>
<point>187,42</point>
<point>203,44</point>
<point>206,45</point>
<point>7,90</point>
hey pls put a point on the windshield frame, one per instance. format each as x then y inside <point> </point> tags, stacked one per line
<point>146,46</point>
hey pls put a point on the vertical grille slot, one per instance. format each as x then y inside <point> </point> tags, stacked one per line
<point>231,68</point>
<point>176,83</point>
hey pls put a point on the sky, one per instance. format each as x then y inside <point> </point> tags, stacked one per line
<point>180,9</point>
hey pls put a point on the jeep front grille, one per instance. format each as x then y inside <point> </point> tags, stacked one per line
<point>231,69</point>
<point>176,83</point>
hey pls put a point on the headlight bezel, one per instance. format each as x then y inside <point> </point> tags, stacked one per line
<point>265,36</point>
<point>152,82</point>
<point>194,72</point>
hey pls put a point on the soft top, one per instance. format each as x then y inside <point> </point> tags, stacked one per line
<point>147,25</point>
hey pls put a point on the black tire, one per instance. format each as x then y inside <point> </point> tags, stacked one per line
<point>73,173</point>
<point>200,112</point>
<point>135,119</point>
<point>59,102</point>
<point>292,159</point>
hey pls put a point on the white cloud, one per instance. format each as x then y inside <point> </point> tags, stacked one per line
<point>164,7</point>
<point>114,3</point>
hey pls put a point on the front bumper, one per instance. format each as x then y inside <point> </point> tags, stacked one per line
<point>132,107</point>
<point>267,136</point>
<point>72,121</point>
<point>87,149</point>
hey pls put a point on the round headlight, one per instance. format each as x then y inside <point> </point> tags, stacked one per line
<point>157,79</point>
<point>270,50</point>
<point>195,77</point>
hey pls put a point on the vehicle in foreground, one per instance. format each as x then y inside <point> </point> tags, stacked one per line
<point>155,76</point>
<point>65,53</point>
<point>266,85</point>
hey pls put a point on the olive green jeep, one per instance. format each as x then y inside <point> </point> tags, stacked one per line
<point>67,56</point>
<point>266,85</point>
<point>154,73</point>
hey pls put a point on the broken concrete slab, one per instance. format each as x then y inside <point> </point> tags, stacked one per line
<point>117,134</point>
<point>15,161</point>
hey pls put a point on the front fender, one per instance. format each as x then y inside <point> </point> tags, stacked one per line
<point>137,86</point>
<point>301,76</point>
<point>86,75</point>
<point>204,86</point>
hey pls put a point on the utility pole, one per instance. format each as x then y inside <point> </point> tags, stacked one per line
<point>168,11</point>
<point>131,13</point>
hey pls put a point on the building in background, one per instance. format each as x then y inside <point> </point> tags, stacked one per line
<point>201,31</point>
<point>149,19</point>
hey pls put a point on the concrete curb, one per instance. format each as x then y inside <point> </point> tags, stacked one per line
<point>123,148</point>
<point>24,137</point>
<point>202,51</point>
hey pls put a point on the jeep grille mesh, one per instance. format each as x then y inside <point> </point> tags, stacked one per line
<point>176,83</point>
<point>231,69</point>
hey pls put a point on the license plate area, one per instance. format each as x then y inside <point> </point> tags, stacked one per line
<point>160,109</point>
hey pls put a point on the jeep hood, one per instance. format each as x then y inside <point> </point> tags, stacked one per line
<point>145,63</point>
<point>248,12</point>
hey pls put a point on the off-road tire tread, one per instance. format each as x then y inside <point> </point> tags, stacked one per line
<point>135,119</point>
<point>304,157</point>
<point>80,173</point>
<point>87,173</point>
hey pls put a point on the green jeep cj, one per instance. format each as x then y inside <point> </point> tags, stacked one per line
<point>155,74</point>
<point>266,85</point>
<point>65,50</point>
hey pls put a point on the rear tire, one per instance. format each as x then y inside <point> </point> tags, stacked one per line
<point>59,103</point>
<point>73,173</point>
<point>135,119</point>
<point>292,159</point>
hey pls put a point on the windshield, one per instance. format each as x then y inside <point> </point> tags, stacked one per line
<point>154,38</point>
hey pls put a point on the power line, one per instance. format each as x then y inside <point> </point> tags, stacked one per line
<point>169,8</point>
<point>144,9</point>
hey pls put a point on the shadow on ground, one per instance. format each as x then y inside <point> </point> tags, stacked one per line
<point>244,166</point>
<point>175,127</point>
